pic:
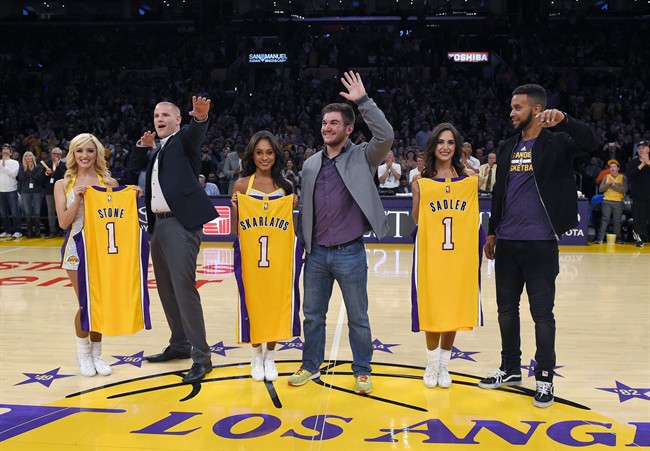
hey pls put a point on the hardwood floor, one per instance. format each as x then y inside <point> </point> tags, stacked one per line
<point>602,380</point>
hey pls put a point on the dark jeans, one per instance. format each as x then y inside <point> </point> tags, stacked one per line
<point>641,215</point>
<point>536,265</point>
<point>9,212</point>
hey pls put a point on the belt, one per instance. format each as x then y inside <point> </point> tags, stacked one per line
<point>342,245</point>
<point>164,215</point>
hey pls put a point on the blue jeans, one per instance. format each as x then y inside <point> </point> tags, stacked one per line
<point>31,204</point>
<point>535,264</point>
<point>349,267</point>
<point>9,212</point>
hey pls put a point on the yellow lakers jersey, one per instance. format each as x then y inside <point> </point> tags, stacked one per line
<point>268,261</point>
<point>113,262</point>
<point>445,289</point>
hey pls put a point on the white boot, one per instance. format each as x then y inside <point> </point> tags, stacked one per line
<point>270,371</point>
<point>84,358</point>
<point>257,364</point>
<point>100,366</point>
<point>444,378</point>
<point>431,375</point>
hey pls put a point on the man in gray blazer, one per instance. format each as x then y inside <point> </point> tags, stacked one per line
<point>232,167</point>
<point>177,208</point>
<point>338,205</point>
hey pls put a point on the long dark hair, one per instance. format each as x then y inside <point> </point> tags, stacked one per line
<point>248,163</point>
<point>430,151</point>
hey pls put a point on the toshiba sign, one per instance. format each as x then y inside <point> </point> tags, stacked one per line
<point>469,57</point>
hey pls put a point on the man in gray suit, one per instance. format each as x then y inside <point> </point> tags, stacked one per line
<point>338,205</point>
<point>177,208</point>
<point>232,167</point>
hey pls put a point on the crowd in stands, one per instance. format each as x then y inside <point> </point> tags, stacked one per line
<point>58,81</point>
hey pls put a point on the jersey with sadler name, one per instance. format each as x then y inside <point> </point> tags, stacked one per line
<point>445,292</point>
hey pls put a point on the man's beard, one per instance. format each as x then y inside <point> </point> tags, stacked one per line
<point>522,125</point>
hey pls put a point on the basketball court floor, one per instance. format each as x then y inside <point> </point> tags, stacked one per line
<point>602,379</point>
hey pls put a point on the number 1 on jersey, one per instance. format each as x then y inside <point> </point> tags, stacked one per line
<point>447,244</point>
<point>263,262</point>
<point>112,248</point>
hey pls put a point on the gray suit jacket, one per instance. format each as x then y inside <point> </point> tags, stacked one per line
<point>229,168</point>
<point>357,166</point>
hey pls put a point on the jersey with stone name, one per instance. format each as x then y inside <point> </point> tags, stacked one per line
<point>268,261</point>
<point>113,263</point>
<point>445,289</point>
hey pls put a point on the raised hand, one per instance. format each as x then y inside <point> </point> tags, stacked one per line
<point>148,139</point>
<point>550,118</point>
<point>352,82</point>
<point>200,108</point>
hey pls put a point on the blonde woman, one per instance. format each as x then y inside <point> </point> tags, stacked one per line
<point>31,177</point>
<point>86,167</point>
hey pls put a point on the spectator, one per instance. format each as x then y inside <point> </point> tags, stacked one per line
<point>418,170</point>
<point>31,178</point>
<point>410,162</point>
<point>422,137</point>
<point>232,167</point>
<point>54,172</point>
<point>468,160</point>
<point>487,173</point>
<point>120,173</point>
<point>290,173</point>
<point>639,177</point>
<point>389,175</point>
<point>614,185</point>
<point>9,195</point>
<point>210,188</point>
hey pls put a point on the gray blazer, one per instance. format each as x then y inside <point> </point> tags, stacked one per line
<point>229,168</point>
<point>357,166</point>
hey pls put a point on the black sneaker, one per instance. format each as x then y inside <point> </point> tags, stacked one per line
<point>544,394</point>
<point>500,377</point>
<point>638,243</point>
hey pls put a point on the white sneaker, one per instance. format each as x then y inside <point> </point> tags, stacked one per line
<point>86,366</point>
<point>4,235</point>
<point>101,367</point>
<point>270,371</point>
<point>17,235</point>
<point>257,368</point>
<point>431,375</point>
<point>444,379</point>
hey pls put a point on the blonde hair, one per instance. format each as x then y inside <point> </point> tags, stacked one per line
<point>29,154</point>
<point>100,163</point>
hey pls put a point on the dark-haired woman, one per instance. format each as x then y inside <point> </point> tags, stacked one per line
<point>267,260</point>
<point>445,296</point>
